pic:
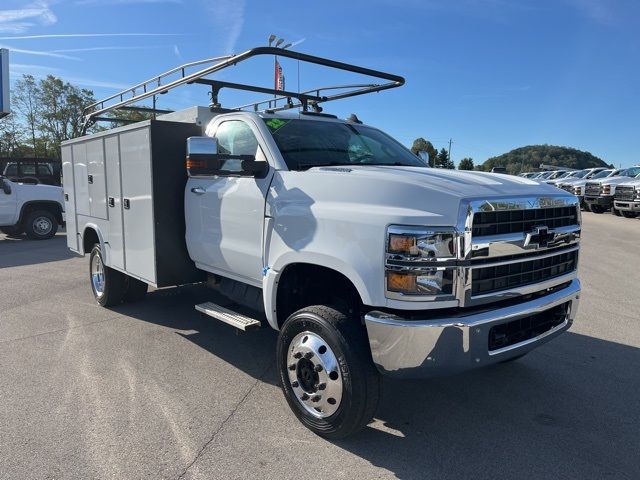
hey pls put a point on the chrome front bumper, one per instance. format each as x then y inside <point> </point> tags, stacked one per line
<point>628,205</point>
<point>422,348</point>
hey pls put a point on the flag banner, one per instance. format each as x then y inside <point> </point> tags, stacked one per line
<point>278,77</point>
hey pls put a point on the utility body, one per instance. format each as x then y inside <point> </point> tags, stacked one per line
<point>368,262</point>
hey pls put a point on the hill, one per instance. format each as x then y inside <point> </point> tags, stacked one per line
<point>527,159</point>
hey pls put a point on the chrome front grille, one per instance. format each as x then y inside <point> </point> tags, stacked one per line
<point>513,275</point>
<point>518,247</point>
<point>520,221</point>
<point>626,194</point>
<point>592,189</point>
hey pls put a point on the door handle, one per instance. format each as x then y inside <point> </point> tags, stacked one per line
<point>198,190</point>
<point>112,202</point>
<point>90,178</point>
<point>126,203</point>
<point>66,197</point>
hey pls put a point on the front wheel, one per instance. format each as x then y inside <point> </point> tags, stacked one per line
<point>629,214</point>
<point>40,225</point>
<point>597,209</point>
<point>326,371</point>
<point>617,212</point>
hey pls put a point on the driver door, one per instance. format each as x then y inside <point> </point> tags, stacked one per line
<point>225,212</point>
<point>8,204</point>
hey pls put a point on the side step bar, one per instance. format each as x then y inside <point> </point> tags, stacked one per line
<point>235,319</point>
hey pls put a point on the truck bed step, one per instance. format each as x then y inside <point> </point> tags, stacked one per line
<point>225,315</point>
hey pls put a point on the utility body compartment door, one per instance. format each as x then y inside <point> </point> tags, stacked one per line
<point>115,242</point>
<point>69,198</point>
<point>137,203</point>
<point>96,179</point>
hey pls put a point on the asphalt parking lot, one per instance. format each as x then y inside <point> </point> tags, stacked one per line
<point>152,390</point>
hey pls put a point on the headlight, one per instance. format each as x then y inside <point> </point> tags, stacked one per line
<point>420,244</point>
<point>577,190</point>
<point>430,281</point>
<point>420,261</point>
<point>637,192</point>
<point>606,189</point>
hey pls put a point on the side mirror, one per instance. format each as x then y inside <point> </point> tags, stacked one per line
<point>6,187</point>
<point>204,160</point>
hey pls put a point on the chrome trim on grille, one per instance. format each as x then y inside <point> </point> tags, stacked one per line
<point>498,246</point>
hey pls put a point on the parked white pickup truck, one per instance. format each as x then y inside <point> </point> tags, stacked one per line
<point>367,261</point>
<point>34,209</point>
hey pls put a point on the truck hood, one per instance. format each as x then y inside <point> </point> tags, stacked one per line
<point>453,183</point>
<point>416,195</point>
<point>611,180</point>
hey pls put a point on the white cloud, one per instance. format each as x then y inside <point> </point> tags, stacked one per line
<point>104,3</point>
<point>91,35</point>
<point>39,53</point>
<point>599,10</point>
<point>228,19</point>
<point>41,71</point>
<point>20,20</point>
<point>107,48</point>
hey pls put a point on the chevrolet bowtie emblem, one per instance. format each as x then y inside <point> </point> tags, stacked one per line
<point>539,237</point>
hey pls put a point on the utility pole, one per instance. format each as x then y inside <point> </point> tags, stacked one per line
<point>450,142</point>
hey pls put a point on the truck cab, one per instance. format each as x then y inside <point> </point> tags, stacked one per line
<point>365,260</point>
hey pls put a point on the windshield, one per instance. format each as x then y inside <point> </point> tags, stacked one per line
<point>581,174</point>
<point>630,172</point>
<point>545,175</point>
<point>310,143</point>
<point>602,174</point>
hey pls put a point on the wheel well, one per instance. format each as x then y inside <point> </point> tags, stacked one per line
<point>304,284</point>
<point>89,239</point>
<point>54,208</point>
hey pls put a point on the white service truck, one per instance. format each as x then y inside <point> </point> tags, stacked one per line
<point>36,210</point>
<point>368,262</point>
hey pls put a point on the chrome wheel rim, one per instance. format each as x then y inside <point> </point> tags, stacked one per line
<point>314,374</point>
<point>97,276</point>
<point>42,225</point>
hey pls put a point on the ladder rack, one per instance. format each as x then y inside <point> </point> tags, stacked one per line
<point>165,82</point>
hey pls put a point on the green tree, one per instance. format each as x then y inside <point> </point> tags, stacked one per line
<point>443,160</point>
<point>11,137</point>
<point>529,158</point>
<point>61,115</point>
<point>25,101</point>
<point>424,147</point>
<point>466,164</point>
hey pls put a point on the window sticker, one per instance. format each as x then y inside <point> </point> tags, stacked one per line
<point>275,124</point>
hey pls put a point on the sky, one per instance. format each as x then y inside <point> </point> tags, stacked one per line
<point>491,75</point>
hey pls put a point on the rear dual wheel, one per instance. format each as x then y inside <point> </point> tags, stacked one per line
<point>629,214</point>
<point>111,287</point>
<point>326,371</point>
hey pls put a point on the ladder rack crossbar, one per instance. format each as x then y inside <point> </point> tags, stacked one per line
<point>96,111</point>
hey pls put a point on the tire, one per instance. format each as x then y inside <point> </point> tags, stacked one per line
<point>40,225</point>
<point>629,214</point>
<point>597,209</point>
<point>339,374</point>
<point>108,285</point>
<point>135,290</point>
<point>616,212</point>
<point>14,231</point>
